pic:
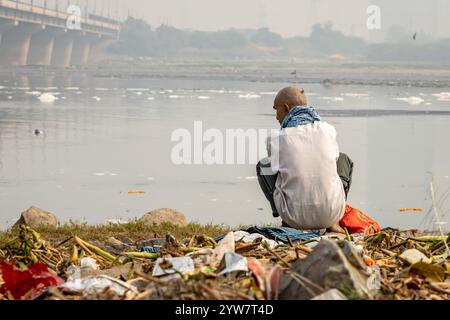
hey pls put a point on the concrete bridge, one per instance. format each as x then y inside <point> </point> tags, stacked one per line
<point>37,35</point>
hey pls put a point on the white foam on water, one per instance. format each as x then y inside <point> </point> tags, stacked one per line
<point>203,97</point>
<point>101,89</point>
<point>113,174</point>
<point>443,96</point>
<point>99,174</point>
<point>72,88</point>
<point>138,89</point>
<point>247,178</point>
<point>249,96</point>
<point>151,98</point>
<point>33,93</point>
<point>150,178</point>
<point>214,91</point>
<point>334,99</point>
<point>96,98</point>
<point>268,93</point>
<point>10,97</point>
<point>47,88</point>
<point>411,100</point>
<point>174,96</point>
<point>47,98</point>
<point>213,200</point>
<point>139,93</point>
<point>356,95</point>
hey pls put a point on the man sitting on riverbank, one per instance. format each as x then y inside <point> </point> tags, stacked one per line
<point>305,178</point>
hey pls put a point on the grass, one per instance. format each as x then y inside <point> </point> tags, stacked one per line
<point>131,231</point>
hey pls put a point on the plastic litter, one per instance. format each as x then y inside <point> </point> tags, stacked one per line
<point>413,256</point>
<point>156,242</point>
<point>173,267</point>
<point>232,263</point>
<point>26,284</point>
<point>224,246</point>
<point>284,234</point>
<point>99,283</point>
<point>250,238</point>
<point>89,264</point>
<point>192,260</point>
<point>154,249</point>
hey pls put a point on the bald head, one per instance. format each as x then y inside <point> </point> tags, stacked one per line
<point>291,96</point>
<point>287,99</point>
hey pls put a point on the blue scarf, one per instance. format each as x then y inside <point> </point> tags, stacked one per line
<point>300,115</point>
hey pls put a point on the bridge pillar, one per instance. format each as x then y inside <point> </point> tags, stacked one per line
<point>81,50</point>
<point>62,50</point>
<point>15,44</point>
<point>98,49</point>
<point>41,47</point>
<point>4,26</point>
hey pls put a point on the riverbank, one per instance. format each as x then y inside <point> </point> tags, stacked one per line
<point>139,261</point>
<point>125,232</point>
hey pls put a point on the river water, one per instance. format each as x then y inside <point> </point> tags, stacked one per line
<point>105,147</point>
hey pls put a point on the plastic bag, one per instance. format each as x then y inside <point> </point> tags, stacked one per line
<point>29,283</point>
<point>232,263</point>
<point>357,222</point>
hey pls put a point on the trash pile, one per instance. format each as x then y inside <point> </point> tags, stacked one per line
<point>257,263</point>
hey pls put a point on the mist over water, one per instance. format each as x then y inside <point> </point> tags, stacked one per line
<point>106,135</point>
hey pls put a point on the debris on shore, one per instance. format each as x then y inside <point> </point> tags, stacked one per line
<point>240,265</point>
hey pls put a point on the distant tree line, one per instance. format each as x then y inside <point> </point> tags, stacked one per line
<point>139,39</point>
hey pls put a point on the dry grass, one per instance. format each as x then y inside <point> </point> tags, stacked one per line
<point>124,232</point>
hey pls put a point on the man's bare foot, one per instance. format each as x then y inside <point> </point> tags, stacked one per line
<point>336,228</point>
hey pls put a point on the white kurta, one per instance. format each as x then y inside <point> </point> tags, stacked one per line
<point>309,193</point>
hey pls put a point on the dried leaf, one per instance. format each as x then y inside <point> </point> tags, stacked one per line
<point>431,272</point>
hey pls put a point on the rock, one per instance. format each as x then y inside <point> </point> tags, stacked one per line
<point>332,294</point>
<point>35,217</point>
<point>164,215</point>
<point>332,265</point>
<point>413,256</point>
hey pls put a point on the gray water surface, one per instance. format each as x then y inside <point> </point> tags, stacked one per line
<point>106,136</point>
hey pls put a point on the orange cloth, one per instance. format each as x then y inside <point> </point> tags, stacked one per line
<point>357,222</point>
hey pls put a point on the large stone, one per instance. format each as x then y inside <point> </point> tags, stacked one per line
<point>331,265</point>
<point>164,215</point>
<point>35,217</point>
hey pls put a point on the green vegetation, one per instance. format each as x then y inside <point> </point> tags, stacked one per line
<point>131,231</point>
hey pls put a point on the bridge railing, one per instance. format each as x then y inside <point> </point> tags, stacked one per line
<point>36,14</point>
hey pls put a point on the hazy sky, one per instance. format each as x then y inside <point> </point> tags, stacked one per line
<point>287,17</point>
